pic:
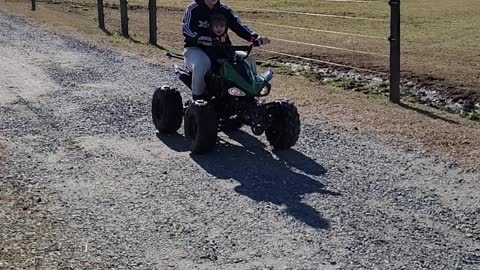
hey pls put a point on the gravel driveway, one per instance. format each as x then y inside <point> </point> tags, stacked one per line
<point>115,196</point>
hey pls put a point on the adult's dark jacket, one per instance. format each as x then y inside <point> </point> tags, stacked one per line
<point>197,15</point>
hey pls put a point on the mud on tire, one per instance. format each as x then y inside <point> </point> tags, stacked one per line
<point>201,128</point>
<point>285,127</point>
<point>167,110</point>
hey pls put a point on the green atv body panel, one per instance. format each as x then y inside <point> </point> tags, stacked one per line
<point>239,74</point>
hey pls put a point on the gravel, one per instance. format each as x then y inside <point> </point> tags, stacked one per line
<point>97,189</point>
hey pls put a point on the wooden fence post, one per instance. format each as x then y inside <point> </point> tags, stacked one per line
<point>34,5</point>
<point>152,8</point>
<point>395,51</point>
<point>124,17</point>
<point>101,15</point>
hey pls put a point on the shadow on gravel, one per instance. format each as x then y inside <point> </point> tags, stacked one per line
<point>266,178</point>
<point>134,40</point>
<point>174,141</point>
<point>298,160</point>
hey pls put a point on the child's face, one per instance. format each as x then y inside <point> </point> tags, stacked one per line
<point>218,29</point>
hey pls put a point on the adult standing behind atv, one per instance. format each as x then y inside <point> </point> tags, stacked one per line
<point>198,35</point>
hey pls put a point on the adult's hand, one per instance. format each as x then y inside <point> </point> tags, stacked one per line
<point>262,41</point>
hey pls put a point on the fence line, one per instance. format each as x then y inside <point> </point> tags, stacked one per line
<point>394,43</point>
<point>323,62</point>
<point>316,30</point>
<point>296,27</point>
<point>312,13</point>
<point>322,46</point>
<point>306,58</point>
<point>313,45</point>
<point>309,14</point>
<point>329,47</point>
<point>394,38</point>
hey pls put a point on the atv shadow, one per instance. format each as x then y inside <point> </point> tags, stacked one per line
<point>264,178</point>
<point>174,141</point>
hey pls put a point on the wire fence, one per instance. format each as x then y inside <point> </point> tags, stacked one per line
<point>109,4</point>
<point>141,26</point>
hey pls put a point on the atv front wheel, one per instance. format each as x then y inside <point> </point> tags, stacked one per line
<point>284,129</point>
<point>201,128</point>
<point>167,110</point>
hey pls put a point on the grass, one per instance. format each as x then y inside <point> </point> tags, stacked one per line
<point>439,37</point>
<point>438,40</point>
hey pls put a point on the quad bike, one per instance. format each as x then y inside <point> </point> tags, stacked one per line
<point>233,100</point>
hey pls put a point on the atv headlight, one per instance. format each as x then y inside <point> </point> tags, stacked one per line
<point>234,91</point>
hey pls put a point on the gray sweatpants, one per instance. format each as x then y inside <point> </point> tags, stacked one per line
<point>198,62</point>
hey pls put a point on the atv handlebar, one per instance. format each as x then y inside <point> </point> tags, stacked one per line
<point>243,48</point>
<point>246,48</point>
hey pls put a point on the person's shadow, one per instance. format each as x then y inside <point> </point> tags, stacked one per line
<point>264,177</point>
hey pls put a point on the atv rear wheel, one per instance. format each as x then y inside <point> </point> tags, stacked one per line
<point>201,128</point>
<point>167,110</point>
<point>285,126</point>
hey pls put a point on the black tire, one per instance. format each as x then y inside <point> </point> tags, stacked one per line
<point>201,128</point>
<point>167,110</point>
<point>283,133</point>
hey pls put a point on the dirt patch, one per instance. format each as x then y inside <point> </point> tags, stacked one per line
<point>25,82</point>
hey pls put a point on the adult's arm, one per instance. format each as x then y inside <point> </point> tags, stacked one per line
<point>237,26</point>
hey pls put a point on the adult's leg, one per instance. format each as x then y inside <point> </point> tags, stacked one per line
<point>199,64</point>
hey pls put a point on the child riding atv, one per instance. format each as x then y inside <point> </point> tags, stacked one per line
<point>198,37</point>
<point>221,48</point>
<point>229,96</point>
